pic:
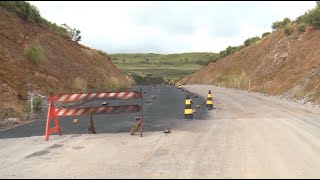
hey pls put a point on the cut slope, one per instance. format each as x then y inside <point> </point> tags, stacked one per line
<point>65,67</point>
<point>277,65</point>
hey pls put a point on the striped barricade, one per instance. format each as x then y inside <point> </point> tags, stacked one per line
<point>53,112</point>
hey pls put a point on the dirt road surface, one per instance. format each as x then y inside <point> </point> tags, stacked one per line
<point>247,135</point>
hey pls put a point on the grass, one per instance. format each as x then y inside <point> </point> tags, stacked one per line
<point>34,53</point>
<point>171,66</point>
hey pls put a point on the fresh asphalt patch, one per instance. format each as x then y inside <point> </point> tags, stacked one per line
<point>163,107</point>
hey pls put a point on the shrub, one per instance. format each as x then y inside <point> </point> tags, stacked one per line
<point>276,25</point>
<point>250,41</point>
<point>37,105</point>
<point>301,28</point>
<point>105,54</point>
<point>28,12</point>
<point>288,30</point>
<point>280,24</point>
<point>265,34</point>
<point>34,53</point>
<point>312,17</point>
<point>286,21</point>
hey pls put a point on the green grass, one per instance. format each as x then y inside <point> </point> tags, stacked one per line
<point>34,53</point>
<point>171,66</point>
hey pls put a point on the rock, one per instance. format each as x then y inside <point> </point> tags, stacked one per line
<point>26,117</point>
<point>105,103</point>
<point>75,121</point>
<point>284,55</point>
<point>12,120</point>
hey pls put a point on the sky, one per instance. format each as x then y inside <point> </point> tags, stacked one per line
<point>169,26</point>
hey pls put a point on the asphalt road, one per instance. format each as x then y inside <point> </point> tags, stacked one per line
<point>247,135</point>
<point>165,111</point>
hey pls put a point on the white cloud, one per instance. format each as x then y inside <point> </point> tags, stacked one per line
<point>168,27</point>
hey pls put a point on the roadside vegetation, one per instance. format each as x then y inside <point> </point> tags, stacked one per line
<point>28,12</point>
<point>311,18</point>
<point>34,53</point>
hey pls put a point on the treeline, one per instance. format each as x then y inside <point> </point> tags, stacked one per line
<point>311,17</point>
<point>148,79</point>
<point>28,12</point>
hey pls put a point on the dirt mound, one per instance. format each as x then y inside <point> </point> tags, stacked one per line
<point>278,64</point>
<point>65,66</point>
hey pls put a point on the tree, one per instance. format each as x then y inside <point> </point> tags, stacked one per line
<point>286,21</point>
<point>74,34</point>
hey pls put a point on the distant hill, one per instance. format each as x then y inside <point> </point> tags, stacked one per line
<point>170,66</point>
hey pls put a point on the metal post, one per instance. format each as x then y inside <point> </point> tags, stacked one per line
<point>31,104</point>
<point>141,111</point>
<point>92,125</point>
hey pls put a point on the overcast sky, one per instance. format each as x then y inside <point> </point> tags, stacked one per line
<point>167,26</point>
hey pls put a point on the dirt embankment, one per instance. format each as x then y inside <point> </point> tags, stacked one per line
<point>65,65</point>
<point>278,64</point>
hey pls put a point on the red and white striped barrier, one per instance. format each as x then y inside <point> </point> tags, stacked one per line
<point>55,112</point>
<point>97,110</point>
<point>90,96</point>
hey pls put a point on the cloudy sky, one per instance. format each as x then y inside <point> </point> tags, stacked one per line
<point>168,26</point>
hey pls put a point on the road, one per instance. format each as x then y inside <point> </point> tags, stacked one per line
<point>247,135</point>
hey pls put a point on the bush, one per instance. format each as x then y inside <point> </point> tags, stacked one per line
<point>288,30</point>
<point>28,12</point>
<point>280,24</point>
<point>34,53</point>
<point>37,105</point>
<point>276,25</point>
<point>301,28</point>
<point>312,17</point>
<point>105,54</point>
<point>265,34</point>
<point>250,41</point>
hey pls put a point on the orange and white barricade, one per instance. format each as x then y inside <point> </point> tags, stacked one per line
<point>53,112</point>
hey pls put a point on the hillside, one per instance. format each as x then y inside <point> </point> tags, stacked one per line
<point>278,64</point>
<point>171,66</point>
<point>34,58</point>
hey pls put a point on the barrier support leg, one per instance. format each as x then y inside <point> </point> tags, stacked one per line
<point>92,125</point>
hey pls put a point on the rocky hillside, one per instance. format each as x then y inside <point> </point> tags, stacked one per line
<point>279,64</point>
<point>35,59</point>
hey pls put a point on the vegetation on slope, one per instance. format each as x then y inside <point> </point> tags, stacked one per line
<point>285,62</point>
<point>31,13</point>
<point>34,58</point>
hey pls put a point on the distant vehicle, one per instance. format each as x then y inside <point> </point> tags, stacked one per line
<point>105,103</point>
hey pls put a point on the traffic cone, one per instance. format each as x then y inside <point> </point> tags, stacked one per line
<point>188,114</point>
<point>209,101</point>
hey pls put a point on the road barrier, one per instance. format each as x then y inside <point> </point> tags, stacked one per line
<point>53,112</point>
<point>188,113</point>
<point>178,85</point>
<point>209,100</point>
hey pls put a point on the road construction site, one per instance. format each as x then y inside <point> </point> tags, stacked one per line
<point>245,135</point>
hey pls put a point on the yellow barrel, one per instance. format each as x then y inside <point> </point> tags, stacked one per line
<point>209,100</point>
<point>188,113</point>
